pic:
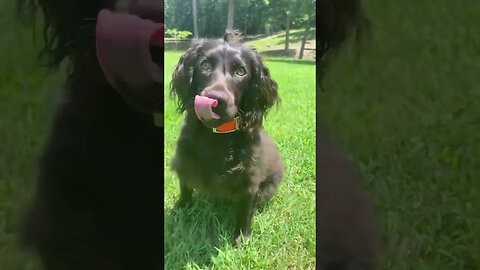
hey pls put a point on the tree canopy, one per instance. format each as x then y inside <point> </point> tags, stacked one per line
<point>251,16</point>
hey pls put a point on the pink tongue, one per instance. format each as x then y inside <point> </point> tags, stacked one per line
<point>123,48</point>
<point>203,107</point>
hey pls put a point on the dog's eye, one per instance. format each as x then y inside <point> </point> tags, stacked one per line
<point>205,65</point>
<point>241,71</point>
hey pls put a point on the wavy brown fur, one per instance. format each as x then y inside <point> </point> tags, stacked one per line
<point>97,202</point>
<point>244,165</point>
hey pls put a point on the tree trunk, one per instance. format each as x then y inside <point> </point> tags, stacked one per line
<point>287,34</point>
<point>175,40</point>
<point>195,22</point>
<point>245,27</point>
<point>231,10</point>
<point>304,40</point>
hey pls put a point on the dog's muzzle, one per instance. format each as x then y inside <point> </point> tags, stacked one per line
<point>203,109</point>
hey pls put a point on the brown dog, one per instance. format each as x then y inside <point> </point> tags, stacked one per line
<point>241,162</point>
<point>98,202</point>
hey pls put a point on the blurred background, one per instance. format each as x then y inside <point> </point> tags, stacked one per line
<point>276,28</point>
<point>405,111</point>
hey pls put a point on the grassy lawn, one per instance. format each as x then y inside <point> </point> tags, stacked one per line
<point>284,233</point>
<point>405,112</point>
<point>275,43</point>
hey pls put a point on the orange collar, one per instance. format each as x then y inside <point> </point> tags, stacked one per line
<point>227,127</point>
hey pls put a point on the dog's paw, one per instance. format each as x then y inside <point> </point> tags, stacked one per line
<point>239,240</point>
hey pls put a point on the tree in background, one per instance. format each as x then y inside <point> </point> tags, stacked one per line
<point>195,20</point>
<point>231,12</point>
<point>178,14</point>
<point>212,17</point>
<point>251,16</point>
<point>288,14</point>
<point>280,14</point>
<point>308,9</point>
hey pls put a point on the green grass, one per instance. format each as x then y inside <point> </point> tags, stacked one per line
<point>283,233</point>
<point>408,113</point>
<point>277,40</point>
<point>405,112</point>
<point>274,44</point>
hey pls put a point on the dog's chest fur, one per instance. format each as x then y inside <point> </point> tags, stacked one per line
<point>219,164</point>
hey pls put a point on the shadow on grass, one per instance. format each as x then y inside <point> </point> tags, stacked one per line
<point>296,36</point>
<point>195,234</point>
<point>291,61</point>
<point>255,37</point>
<point>278,53</point>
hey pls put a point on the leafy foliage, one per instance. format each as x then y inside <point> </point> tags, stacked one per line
<point>251,16</point>
<point>174,33</point>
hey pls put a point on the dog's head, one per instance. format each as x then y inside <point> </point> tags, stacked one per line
<point>232,74</point>
<point>120,40</point>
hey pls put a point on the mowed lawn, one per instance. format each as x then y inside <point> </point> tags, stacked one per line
<point>284,232</point>
<point>408,113</point>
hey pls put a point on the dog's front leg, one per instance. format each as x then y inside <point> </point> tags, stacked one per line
<point>185,195</point>
<point>244,214</point>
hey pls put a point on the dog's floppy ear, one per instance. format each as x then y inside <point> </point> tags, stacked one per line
<point>67,26</point>
<point>262,93</point>
<point>181,84</point>
<point>267,87</point>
